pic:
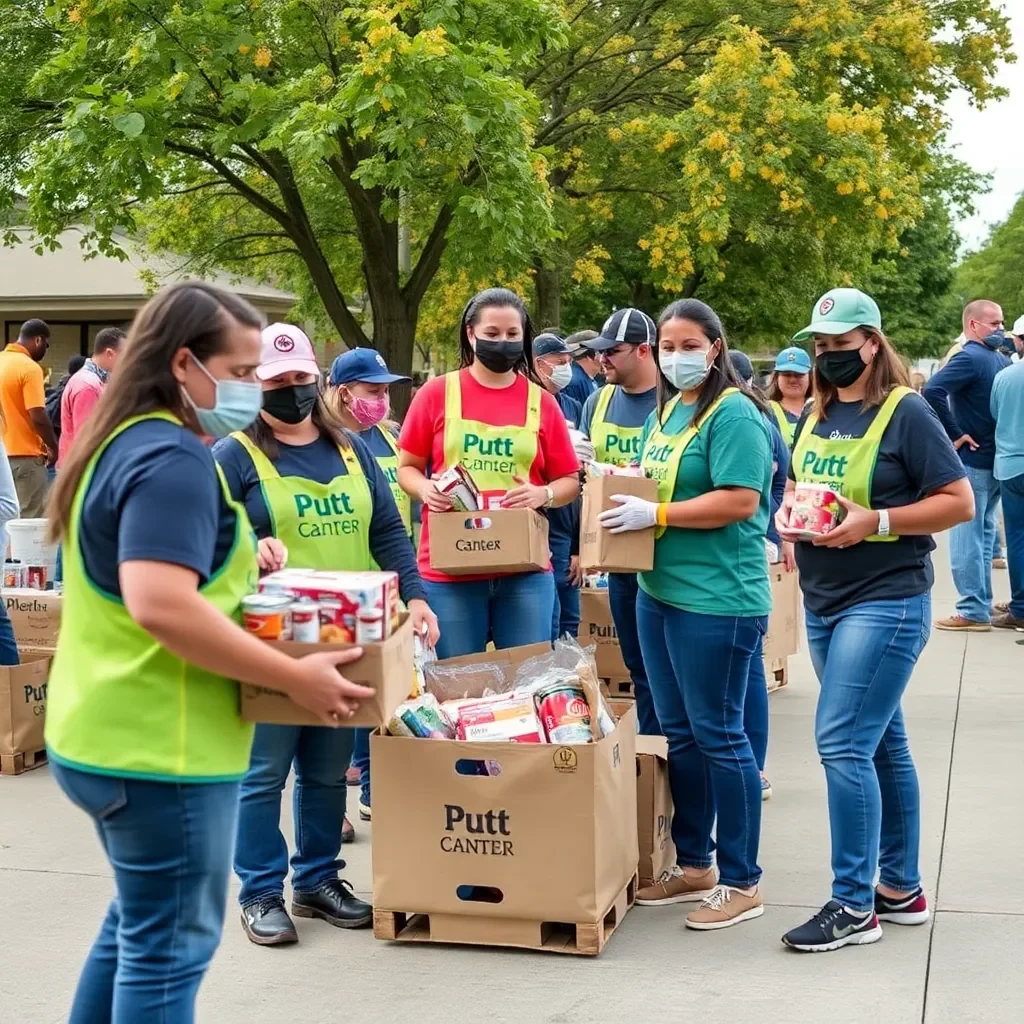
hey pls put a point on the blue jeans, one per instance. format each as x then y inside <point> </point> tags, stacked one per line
<point>170,847</point>
<point>755,707</point>
<point>320,756</point>
<point>8,645</point>
<point>699,666</point>
<point>971,546</point>
<point>510,610</point>
<point>361,760</point>
<point>997,544</point>
<point>863,658</point>
<point>566,615</point>
<point>622,601</point>
<point>1013,520</point>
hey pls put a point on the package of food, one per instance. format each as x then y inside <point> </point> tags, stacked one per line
<point>422,718</point>
<point>452,682</point>
<point>815,511</point>
<point>596,581</point>
<point>457,483</point>
<point>610,469</point>
<point>512,718</point>
<point>349,601</point>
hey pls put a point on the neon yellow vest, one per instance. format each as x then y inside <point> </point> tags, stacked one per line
<point>663,453</point>
<point>493,455</point>
<point>845,465</point>
<point>614,444</point>
<point>118,702</point>
<point>389,464</point>
<point>787,429</point>
<point>324,526</point>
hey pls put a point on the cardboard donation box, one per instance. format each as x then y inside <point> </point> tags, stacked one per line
<point>597,627</point>
<point>493,540</point>
<point>614,552</point>
<point>35,616</point>
<point>783,637</point>
<point>386,666</point>
<point>518,844</point>
<point>653,808</point>
<point>23,706</point>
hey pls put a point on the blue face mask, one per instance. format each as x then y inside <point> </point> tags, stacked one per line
<point>236,404</point>
<point>685,370</point>
<point>996,340</point>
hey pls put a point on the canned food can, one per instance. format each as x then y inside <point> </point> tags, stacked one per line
<point>14,574</point>
<point>306,621</point>
<point>268,616</point>
<point>564,713</point>
<point>36,576</point>
<point>369,626</point>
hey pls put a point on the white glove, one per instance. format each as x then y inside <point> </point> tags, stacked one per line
<point>584,449</point>
<point>632,514</point>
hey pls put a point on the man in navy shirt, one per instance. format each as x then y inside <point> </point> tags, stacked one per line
<point>586,371</point>
<point>960,393</point>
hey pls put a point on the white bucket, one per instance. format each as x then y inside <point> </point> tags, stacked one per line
<point>29,544</point>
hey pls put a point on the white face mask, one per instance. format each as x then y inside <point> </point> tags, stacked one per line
<point>561,376</point>
<point>685,370</point>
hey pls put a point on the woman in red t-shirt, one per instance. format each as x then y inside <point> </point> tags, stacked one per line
<point>492,417</point>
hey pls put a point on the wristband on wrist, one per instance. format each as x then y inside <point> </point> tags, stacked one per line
<point>883,522</point>
<point>661,516</point>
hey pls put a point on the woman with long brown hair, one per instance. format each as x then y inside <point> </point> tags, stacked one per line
<point>317,499</point>
<point>866,587</point>
<point>143,727</point>
<point>493,404</point>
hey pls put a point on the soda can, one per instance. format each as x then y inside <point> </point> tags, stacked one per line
<point>564,713</point>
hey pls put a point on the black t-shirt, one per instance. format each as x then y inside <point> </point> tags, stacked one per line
<point>915,458</point>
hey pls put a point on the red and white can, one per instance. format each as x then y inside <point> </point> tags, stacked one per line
<point>306,621</point>
<point>564,713</point>
<point>816,510</point>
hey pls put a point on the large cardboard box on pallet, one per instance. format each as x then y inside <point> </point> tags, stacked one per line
<point>547,838</point>
<point>600,548</point>
<point>597,627</point>
<point>783,637</point>
<point>22,708</point>
<point>35,616</point>
<point>386,666</point>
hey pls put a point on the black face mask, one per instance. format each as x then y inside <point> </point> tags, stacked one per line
<point>841,369</point>
<point>292,404</point>
<point>498,356</point>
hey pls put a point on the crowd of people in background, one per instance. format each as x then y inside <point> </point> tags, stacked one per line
<point>178,454</point>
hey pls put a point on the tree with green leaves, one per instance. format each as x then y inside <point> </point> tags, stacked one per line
<point>340,146</point>
<point>996,270</point>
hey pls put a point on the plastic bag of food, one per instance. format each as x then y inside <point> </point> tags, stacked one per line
<point>452,682</point>
<point>421,718</point>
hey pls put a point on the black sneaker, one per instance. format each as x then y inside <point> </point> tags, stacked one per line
<point>832,928</point>
<point>333,901</point>
<point>912,909</point>
<point>267,923</point>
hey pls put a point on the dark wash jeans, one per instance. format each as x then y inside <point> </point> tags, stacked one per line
<point>863,658</point>
<point>320,756</point>
<point>170,847</point>
<point>1013,520</point>
<point>699,668</point>
<point>622,597</point>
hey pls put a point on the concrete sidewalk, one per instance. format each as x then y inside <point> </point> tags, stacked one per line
<point>965,712</point>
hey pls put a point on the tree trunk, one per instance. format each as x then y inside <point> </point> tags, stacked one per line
<point>548,307</point>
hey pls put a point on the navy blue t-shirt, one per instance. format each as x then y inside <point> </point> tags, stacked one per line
<point>915,458</point>
<point>322,462</point>
<point>155,496</point>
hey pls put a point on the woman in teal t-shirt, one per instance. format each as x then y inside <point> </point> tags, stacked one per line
<point>704,607</point>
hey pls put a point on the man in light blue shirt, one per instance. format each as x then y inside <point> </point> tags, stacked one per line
<point>1007,405</point>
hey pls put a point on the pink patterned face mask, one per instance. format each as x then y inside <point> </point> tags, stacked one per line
<point>368,411</point>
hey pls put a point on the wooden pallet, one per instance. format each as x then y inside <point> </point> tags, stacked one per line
<point>777,674</point>
<point>618,689</point>
<point>18,764</point>
<point>582,939</point>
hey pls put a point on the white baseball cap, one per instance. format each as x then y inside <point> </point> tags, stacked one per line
<point>286,349</point>
<point>1018,327</point>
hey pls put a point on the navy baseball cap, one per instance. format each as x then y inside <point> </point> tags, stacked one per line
<point>549,344</point>
<point>741,364</point>
<point>632,326</point>
<point>366,365</point>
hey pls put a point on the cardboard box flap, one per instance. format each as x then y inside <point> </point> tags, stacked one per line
<point>656,746</point>
<point>471,683</point>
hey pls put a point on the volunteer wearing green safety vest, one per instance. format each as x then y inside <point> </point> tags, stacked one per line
<point>866,586</point>
<point>704,607</point>
<point>361,382</point>
<point>494,419</point>
<point>790,389</point>
<point>142,727</point>
<point>613,419</point>
<point>317,499</point>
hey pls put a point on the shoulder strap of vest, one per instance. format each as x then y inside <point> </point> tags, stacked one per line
<point>604,398</point>
<point>533,399</point>
<point>714,405</point>
<point>666,412</point>
<point>389,438</point>
<point>452,396</point>
<point>885,414</point>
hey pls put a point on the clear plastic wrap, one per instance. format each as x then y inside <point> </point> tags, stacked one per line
<point>456,682</point>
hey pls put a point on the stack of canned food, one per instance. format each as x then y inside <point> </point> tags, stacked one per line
<point>20,576</point>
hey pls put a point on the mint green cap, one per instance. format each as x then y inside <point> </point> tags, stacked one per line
<point>839,311</point>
